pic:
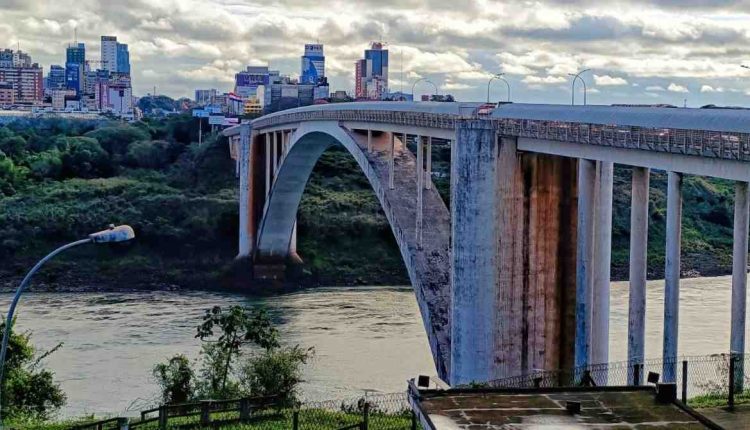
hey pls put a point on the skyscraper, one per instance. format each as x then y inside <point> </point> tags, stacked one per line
<point>56,77</point>
<point>109,53</point>
<point>313,64</point>
<point>123,58</point>
<point>371,73</point>
<point>76,54</point>
<point>25,77</point>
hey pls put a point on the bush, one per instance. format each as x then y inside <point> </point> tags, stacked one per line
<point>175,379</point>
<point>47,164</point>
<point>116,139</point>
<point>275,372</point>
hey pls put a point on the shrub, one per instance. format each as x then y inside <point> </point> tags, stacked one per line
<point>175,379</point>
<point>47,164</point>
<point>85,158</point>
<point>275,372</point>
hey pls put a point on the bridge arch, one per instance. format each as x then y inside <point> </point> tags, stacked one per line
<point>428,265</point>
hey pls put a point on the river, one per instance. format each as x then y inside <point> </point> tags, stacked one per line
<point>364,338</point>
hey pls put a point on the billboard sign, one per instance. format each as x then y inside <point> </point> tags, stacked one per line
<point>216,119</point>
<point>231,121</point>
<point>200,113</point>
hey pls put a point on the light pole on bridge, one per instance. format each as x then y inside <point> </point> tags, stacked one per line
<point>577,76</point>
<point>414,85</point>
<point>499,77</point>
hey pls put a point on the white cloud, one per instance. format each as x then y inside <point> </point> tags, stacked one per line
<point>710,89</point>
<point>606,80</point>
<point>676,88</point>
<point>547,80</point>
<point>655,88</point>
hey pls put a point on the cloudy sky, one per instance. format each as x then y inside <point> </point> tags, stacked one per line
<point>660,51</point>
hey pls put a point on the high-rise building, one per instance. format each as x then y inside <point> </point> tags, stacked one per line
<point>109,53</point>
<point>371,73</point>
<point>74,78</point>
<point>205,97</point>
<point>56,77</point>
<point>313,64</point>
<point>7,94</point>
<point>76,54</point>
<point>25,77</point>
<point>123,58</point>
<point>246,82</point>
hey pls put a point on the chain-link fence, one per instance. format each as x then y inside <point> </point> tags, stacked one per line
<point>701,381</point>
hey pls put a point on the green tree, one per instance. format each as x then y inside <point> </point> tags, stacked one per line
<point>11,175</point>
<point>231,329</point>
<point>85,158</point>
<point>14,147</point>
<point>175,379</point>
<point>154,154</point>
<point>116,139</point>
<point>47,164</point>
<point>28,390</point>
<point>275,372</point>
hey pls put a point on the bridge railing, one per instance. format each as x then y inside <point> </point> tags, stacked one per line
<point>703,143</point>
<point>702,381</point>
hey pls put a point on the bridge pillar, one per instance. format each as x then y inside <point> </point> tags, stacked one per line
<point>428,183</point>
<point>739,273</point>
<point>474,252</point>
<point>247,229</point>
<point>268,164</point>
<point>513,242</point>
<point>369,141</point>
<point>672,275</point>
<point>602,261</point>
<point>392,162</point>
<point>420,192</point>
<point>585,261</point>
<point>638,268</point>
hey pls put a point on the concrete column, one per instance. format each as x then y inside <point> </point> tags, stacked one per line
<point>474,252</point>
<point>268,165</point>
<point>246,229</point>
<point>584,261</point>
<point>275,155</point>
<point>602,260</point>
<point>420,187</point>
<point>672,275</point>
<point>739,276</point>
<point>428,180</point>
<point>369,141</point>
<point>391,161</point>
<point>638,257</point>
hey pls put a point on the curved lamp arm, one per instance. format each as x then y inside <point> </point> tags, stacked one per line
<point>113,234</point>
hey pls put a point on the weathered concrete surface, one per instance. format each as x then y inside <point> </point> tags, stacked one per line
<point>585,261</point>
<point>638,257</point>
<point>514,240</point>
<point>739,266</point>
<point>672,275</point>
<point>602,262</point>
<point>428,268</point>
<point>536,261</point>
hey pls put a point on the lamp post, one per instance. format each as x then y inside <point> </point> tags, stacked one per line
<point>573,90</point>
<point>112,234</point>
<point>499,77</point>
<point>420,80</point>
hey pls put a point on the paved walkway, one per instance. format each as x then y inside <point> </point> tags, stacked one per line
<point>737,419</point>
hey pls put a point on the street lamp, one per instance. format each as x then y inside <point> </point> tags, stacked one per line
<point>420,80</point>
<point>498,76</point>
<point>112,234</point>
<point>573,91</point>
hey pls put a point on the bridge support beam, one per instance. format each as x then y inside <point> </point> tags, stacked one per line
<point>602,261</point>
<point>392,162</point>
<point>739,276</point>
<point>268,164</point>
<point>420,190</point>
<point>428,180</point>
<point>585,261</point>
<point>638,268</point>
<point>672,275</point>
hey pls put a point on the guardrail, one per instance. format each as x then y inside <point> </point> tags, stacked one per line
<point>703,143</point>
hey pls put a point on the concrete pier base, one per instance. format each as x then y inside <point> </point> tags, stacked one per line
<point>672,275</point>
<point>638,257</point>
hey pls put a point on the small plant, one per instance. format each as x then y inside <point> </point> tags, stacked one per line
<point>175,379</point>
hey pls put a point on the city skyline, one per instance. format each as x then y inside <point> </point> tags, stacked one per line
<point>661,52</point>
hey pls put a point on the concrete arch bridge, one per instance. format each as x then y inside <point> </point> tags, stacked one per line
<point>513,277</point>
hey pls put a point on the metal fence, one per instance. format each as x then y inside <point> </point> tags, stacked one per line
<point>700,380</point>
<point>371,412</point>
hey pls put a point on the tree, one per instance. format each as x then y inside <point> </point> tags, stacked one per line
<point>152,154</point>
<point>85,158</point>
<point>236,327</point>
<point>11,175</point>
<point>175,379</point>
<point>28,390</point>
<point>116,139</point>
